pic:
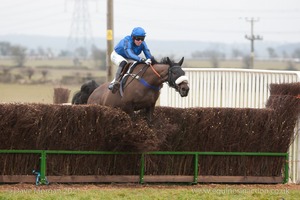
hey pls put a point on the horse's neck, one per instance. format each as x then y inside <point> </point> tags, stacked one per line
<point>155,74</point>
<point>162,70</point>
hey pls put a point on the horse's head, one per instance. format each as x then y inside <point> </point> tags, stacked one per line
<point>177,78</point>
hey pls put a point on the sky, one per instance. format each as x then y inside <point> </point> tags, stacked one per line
<point>224,21</point>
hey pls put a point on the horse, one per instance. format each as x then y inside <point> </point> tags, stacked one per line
<point>81,97</point>
<point>140,87</point>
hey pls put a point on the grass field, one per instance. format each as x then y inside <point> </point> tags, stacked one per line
<point>151,192</point>
<point>16,93</point>
<point>48,62</point>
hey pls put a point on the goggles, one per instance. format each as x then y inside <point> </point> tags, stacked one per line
<point>139,38</point>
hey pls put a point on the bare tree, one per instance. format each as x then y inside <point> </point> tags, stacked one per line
<point>81,52</point>
<point>64,53</point>
<point>236,53</point>
<point>285,54</point>
<point>291,66</point>
<point>212,55</point>
<point>29,72</point>
<point>247,62</point>
<point>99,57</point>
<point>272,52</point>
<point>18,55</point>
<point>296,53</point>
<point>5,48</point>
<point>41,52</point>
<point>214,59</point>
<point>44,73</point>
<point>50,54</point>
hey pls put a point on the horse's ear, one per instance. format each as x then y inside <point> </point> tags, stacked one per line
<point>169,61</point>
<point>181,61</point>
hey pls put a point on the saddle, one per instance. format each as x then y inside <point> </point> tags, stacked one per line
<point>126,71</point>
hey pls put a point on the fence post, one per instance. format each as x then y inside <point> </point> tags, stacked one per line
<point>196,169</point>
<point>142,168</point>
<point>286,169</point>
<point>43,168</point>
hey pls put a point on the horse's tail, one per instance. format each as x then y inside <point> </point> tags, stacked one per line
<point>82,96</point>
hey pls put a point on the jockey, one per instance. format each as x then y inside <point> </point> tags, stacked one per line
<point>129,48</point>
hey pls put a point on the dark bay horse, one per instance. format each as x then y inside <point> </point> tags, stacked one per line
<point>141,87</point>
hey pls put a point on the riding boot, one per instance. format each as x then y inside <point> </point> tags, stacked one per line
<point>115,84</point>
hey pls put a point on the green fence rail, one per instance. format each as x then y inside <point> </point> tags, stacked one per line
<point>196,155</point>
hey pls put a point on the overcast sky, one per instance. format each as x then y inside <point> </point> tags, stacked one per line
<point>201,20</point>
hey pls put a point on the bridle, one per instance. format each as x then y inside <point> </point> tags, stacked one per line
<point>170,78</point>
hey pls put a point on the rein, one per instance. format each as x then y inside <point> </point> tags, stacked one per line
<point>171,82</point>
<point>155,72</point>
<point>143,81</point>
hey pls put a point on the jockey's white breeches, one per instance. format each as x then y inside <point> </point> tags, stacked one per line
<point>117,59</point>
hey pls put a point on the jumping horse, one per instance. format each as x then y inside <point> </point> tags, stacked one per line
<point>140,87</point>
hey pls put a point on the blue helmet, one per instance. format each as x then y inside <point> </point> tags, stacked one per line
<point>138,32</point>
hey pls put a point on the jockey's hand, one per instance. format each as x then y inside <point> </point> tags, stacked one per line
<point>148,61</point>
<point>142,60</point>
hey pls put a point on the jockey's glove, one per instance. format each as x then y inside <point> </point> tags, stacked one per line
<point>148,61</point>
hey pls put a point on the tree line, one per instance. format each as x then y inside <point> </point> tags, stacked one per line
<point>214,56</point>
<point>19,54</point>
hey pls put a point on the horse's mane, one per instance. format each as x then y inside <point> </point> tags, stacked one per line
<point>164,60</point>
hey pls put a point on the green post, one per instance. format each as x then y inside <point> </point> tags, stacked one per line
<point>286,169</point>
<point>196,169</point>
<point>43,168</point>
<point>142,168</point>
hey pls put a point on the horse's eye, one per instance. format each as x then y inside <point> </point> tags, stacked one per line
<point>174,73</point>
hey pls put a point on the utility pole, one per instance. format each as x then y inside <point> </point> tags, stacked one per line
<point>109,39</point>
<point>252,37</point>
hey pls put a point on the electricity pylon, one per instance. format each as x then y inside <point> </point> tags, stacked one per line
<point>81,30</point>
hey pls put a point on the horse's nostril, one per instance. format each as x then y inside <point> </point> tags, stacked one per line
<point>185,89</point>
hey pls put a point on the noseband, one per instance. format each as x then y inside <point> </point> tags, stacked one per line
<point>171,79</point>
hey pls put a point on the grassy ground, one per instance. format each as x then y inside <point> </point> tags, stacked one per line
<point>151,192</point>
<point>16,93</point>
<point>56,69</point>
<point>48,62</point>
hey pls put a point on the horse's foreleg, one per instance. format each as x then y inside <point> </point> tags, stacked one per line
<point>129,110</point>
<point>149,113</point>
